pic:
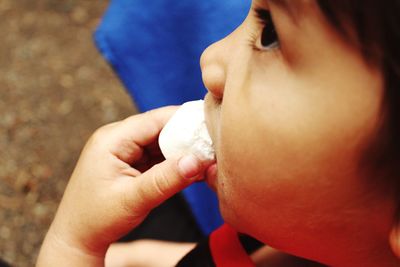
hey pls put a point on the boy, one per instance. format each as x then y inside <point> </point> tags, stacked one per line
<point>302,109</point>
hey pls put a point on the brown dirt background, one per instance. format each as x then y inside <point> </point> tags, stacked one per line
<point>55,90</point>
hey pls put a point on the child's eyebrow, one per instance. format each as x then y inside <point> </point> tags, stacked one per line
<point>281,3</point>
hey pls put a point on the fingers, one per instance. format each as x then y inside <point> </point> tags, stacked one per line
<point>144,128</point>
<point>165,180</point>
<point>126,139</point>
<point>141,253</point>
<point>394,240</point>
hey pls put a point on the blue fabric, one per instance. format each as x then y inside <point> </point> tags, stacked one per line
<point>154,46</point>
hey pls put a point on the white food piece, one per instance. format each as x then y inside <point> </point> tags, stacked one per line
<point>186,133</point>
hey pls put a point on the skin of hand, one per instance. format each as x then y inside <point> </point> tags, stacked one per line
<point>119,178</point>
<point>141,253</point>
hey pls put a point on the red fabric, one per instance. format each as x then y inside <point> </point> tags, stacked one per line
<point>226,249</point>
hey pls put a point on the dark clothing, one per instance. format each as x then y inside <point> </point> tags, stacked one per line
<point>173,221</point>
<point>3,264</point>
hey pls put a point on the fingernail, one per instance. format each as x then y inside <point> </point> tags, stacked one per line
<point>189,166</point>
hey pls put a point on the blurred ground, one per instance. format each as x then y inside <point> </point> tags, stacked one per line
<point>55,89</point>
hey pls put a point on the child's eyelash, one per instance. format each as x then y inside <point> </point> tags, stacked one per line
<point>265,20</point>
<point>252,41</point>
<point>262,18</point>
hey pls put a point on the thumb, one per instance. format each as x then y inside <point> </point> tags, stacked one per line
<point>166,179</point>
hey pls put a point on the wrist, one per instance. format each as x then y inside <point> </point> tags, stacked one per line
<point>58,251</point>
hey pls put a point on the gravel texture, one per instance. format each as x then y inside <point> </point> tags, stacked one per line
<point>55,90</point>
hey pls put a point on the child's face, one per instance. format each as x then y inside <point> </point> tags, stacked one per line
<point>290,131</point>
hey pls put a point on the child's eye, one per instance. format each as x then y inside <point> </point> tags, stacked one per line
<point>268,38</point>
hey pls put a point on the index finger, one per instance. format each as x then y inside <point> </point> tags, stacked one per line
<point>143,128</point>
<point>135,132</point>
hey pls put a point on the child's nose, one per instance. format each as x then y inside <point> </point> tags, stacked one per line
<point>213,68</point>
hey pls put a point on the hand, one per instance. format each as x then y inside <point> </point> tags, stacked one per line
<point>112,188</point>
<point>141,253</point>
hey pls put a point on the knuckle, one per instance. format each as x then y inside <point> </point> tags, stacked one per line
<point>138,118</point>
<point>96,138</point>
<point>152,118</point>
<point>149,113</point>
<point>133,119</point>
<point>100,132</point>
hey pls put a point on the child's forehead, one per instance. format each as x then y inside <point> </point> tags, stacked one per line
<point>294,8</point>
<point>292,3</point>
<point>330,10</point>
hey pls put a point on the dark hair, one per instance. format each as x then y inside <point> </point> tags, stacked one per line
<point>376,25</point>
